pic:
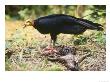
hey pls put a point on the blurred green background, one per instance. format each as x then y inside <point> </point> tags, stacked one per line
<point>23,12</point>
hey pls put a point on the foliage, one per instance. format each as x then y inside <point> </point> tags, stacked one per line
<point>81,40</point>
<point>100,38</point>
<point>26,11</point>
<point>97,37</point>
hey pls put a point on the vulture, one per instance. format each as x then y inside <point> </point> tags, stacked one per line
<point>60,23</point>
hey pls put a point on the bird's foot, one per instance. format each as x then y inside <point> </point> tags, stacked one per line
<point>49,50</point>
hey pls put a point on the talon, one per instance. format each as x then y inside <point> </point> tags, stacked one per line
<point>49,50</point>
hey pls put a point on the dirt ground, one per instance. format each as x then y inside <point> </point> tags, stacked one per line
<point>24,50</point>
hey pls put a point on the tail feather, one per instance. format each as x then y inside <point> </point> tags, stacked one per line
<point>91,23</point>
<point>88,24</point>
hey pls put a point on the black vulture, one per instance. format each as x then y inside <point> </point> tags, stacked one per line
<point>60,23</point>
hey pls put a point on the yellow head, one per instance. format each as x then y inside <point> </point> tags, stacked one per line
<point>28,22</point>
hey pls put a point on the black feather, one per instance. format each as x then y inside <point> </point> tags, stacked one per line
<point>60,23</point>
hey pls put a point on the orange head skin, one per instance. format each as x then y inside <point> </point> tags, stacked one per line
<point>28,23</point>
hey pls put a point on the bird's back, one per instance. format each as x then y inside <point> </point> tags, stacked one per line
<point>56,19</point>
<point>53,23</point>
<point>60,23</point>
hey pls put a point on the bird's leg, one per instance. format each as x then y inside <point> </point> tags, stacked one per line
<point>53,38</point>
<point>52,41</point>
<point>50,47</point>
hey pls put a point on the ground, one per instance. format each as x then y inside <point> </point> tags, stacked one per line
<point>24,47</point>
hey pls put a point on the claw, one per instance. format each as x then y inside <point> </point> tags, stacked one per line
<point>48,51</point>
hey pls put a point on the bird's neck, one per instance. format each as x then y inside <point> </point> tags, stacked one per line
<point>33,23</point>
